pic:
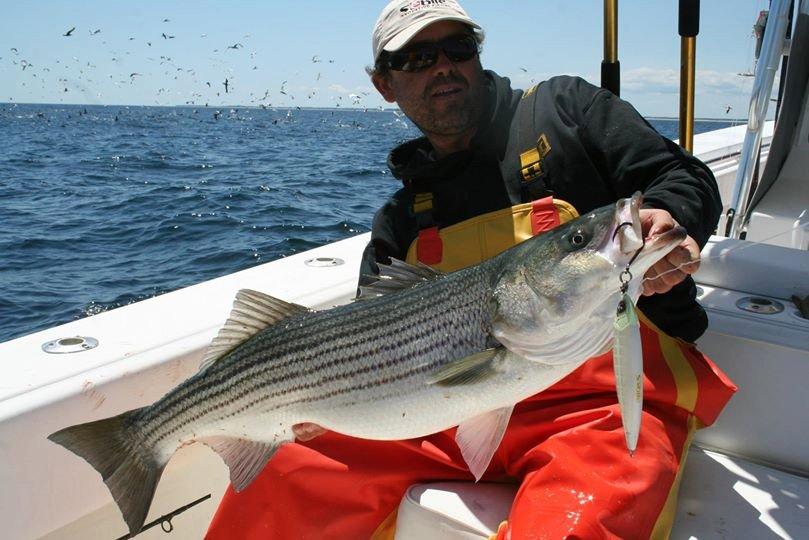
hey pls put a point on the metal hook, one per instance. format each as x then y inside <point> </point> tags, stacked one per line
<point>643,239</point>
<point>625,278</point>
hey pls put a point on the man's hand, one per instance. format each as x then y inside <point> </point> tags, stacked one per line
<point>674,267</point>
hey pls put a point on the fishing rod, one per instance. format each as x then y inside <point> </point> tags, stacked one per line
<point>688,29</point>
<point>165,520</point>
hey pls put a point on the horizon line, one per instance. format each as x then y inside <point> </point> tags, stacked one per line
<point>298,107</point>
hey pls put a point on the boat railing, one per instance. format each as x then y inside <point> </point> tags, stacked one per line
<point>774,46</point>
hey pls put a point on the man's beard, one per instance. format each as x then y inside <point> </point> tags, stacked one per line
<point>455,118</point>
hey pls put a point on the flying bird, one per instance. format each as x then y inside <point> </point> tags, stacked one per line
<point>167,37</point>
<point>94,32</point>
<point>226,85</point>
<point>728,109</point>
<point>235,46</point>
<point>69,32</point>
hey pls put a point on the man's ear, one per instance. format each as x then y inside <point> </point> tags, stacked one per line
<point>382,84</point>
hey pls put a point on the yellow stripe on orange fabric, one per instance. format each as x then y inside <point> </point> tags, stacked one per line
<point>665,521</point>
<point>684,377</point>
<point>386,529</point>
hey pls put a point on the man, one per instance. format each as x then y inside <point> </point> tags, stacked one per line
<point>490,153</point>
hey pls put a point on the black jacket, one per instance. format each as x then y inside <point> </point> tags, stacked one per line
<point>601,150</point>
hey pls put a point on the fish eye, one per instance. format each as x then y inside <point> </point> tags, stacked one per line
<point>578,238</point>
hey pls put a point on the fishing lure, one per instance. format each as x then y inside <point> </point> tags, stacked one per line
<point>627,356</point>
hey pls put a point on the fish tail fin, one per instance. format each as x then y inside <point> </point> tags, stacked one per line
<point>130,470</point>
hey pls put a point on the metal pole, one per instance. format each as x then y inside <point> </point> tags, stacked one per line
<point>772,49</point>
<point>610,66</point>
<point>688,28</point>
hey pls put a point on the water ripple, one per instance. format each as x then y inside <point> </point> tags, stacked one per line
<point>103,208</point>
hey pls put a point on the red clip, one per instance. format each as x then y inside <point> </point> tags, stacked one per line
<point>430,247</point>
<point>544,216</point>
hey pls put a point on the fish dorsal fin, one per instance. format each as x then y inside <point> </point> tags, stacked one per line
<point>467,370</point>
<point>479,437</point>
<point>245,458</point>
<point>252,312</point>
<point>396,276</point>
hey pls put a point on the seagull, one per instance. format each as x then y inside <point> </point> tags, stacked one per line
<point>166,20</point>
<point>728,109</point>
<point>524,70</point>
<point>235,46</point>
<point>94,32</point>
<point>315,59</point>
<point>69,32</point>
<point>167,37</point>
<point>226,85</point>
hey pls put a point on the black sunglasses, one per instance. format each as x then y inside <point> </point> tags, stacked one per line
<point>424,55</point>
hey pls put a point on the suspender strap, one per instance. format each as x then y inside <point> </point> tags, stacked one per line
<point>430,248</point>
<point>522,166</point>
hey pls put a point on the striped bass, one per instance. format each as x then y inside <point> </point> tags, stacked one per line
<point>425,352</point>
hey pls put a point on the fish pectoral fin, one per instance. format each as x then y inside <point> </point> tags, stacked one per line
<point>306,431</point>
<point>479,437</point>
<point>396,276</point>
<point>252,312</point>
<point>245,458</point>
<point>467,370</point>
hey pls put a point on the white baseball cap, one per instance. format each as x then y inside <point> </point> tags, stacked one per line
<point>403,19</point>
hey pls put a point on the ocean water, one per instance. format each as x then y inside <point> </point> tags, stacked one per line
<point>104,206</point>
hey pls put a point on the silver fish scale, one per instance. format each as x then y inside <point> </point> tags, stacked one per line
<point>358,352</point>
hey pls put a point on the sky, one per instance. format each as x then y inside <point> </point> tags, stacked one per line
<point>313,54</point>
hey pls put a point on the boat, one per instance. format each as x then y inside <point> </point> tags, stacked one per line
<point>745,477</point>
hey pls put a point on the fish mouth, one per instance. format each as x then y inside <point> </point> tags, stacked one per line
<point>627,246</point>
<point>628,232</point>
<point>666,240</point>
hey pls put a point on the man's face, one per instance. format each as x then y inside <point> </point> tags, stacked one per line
<point>444,99</point>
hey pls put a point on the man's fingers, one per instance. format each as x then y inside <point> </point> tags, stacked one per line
<point>662,277</point>
<point>684,258</point>
<point>655,221</point>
